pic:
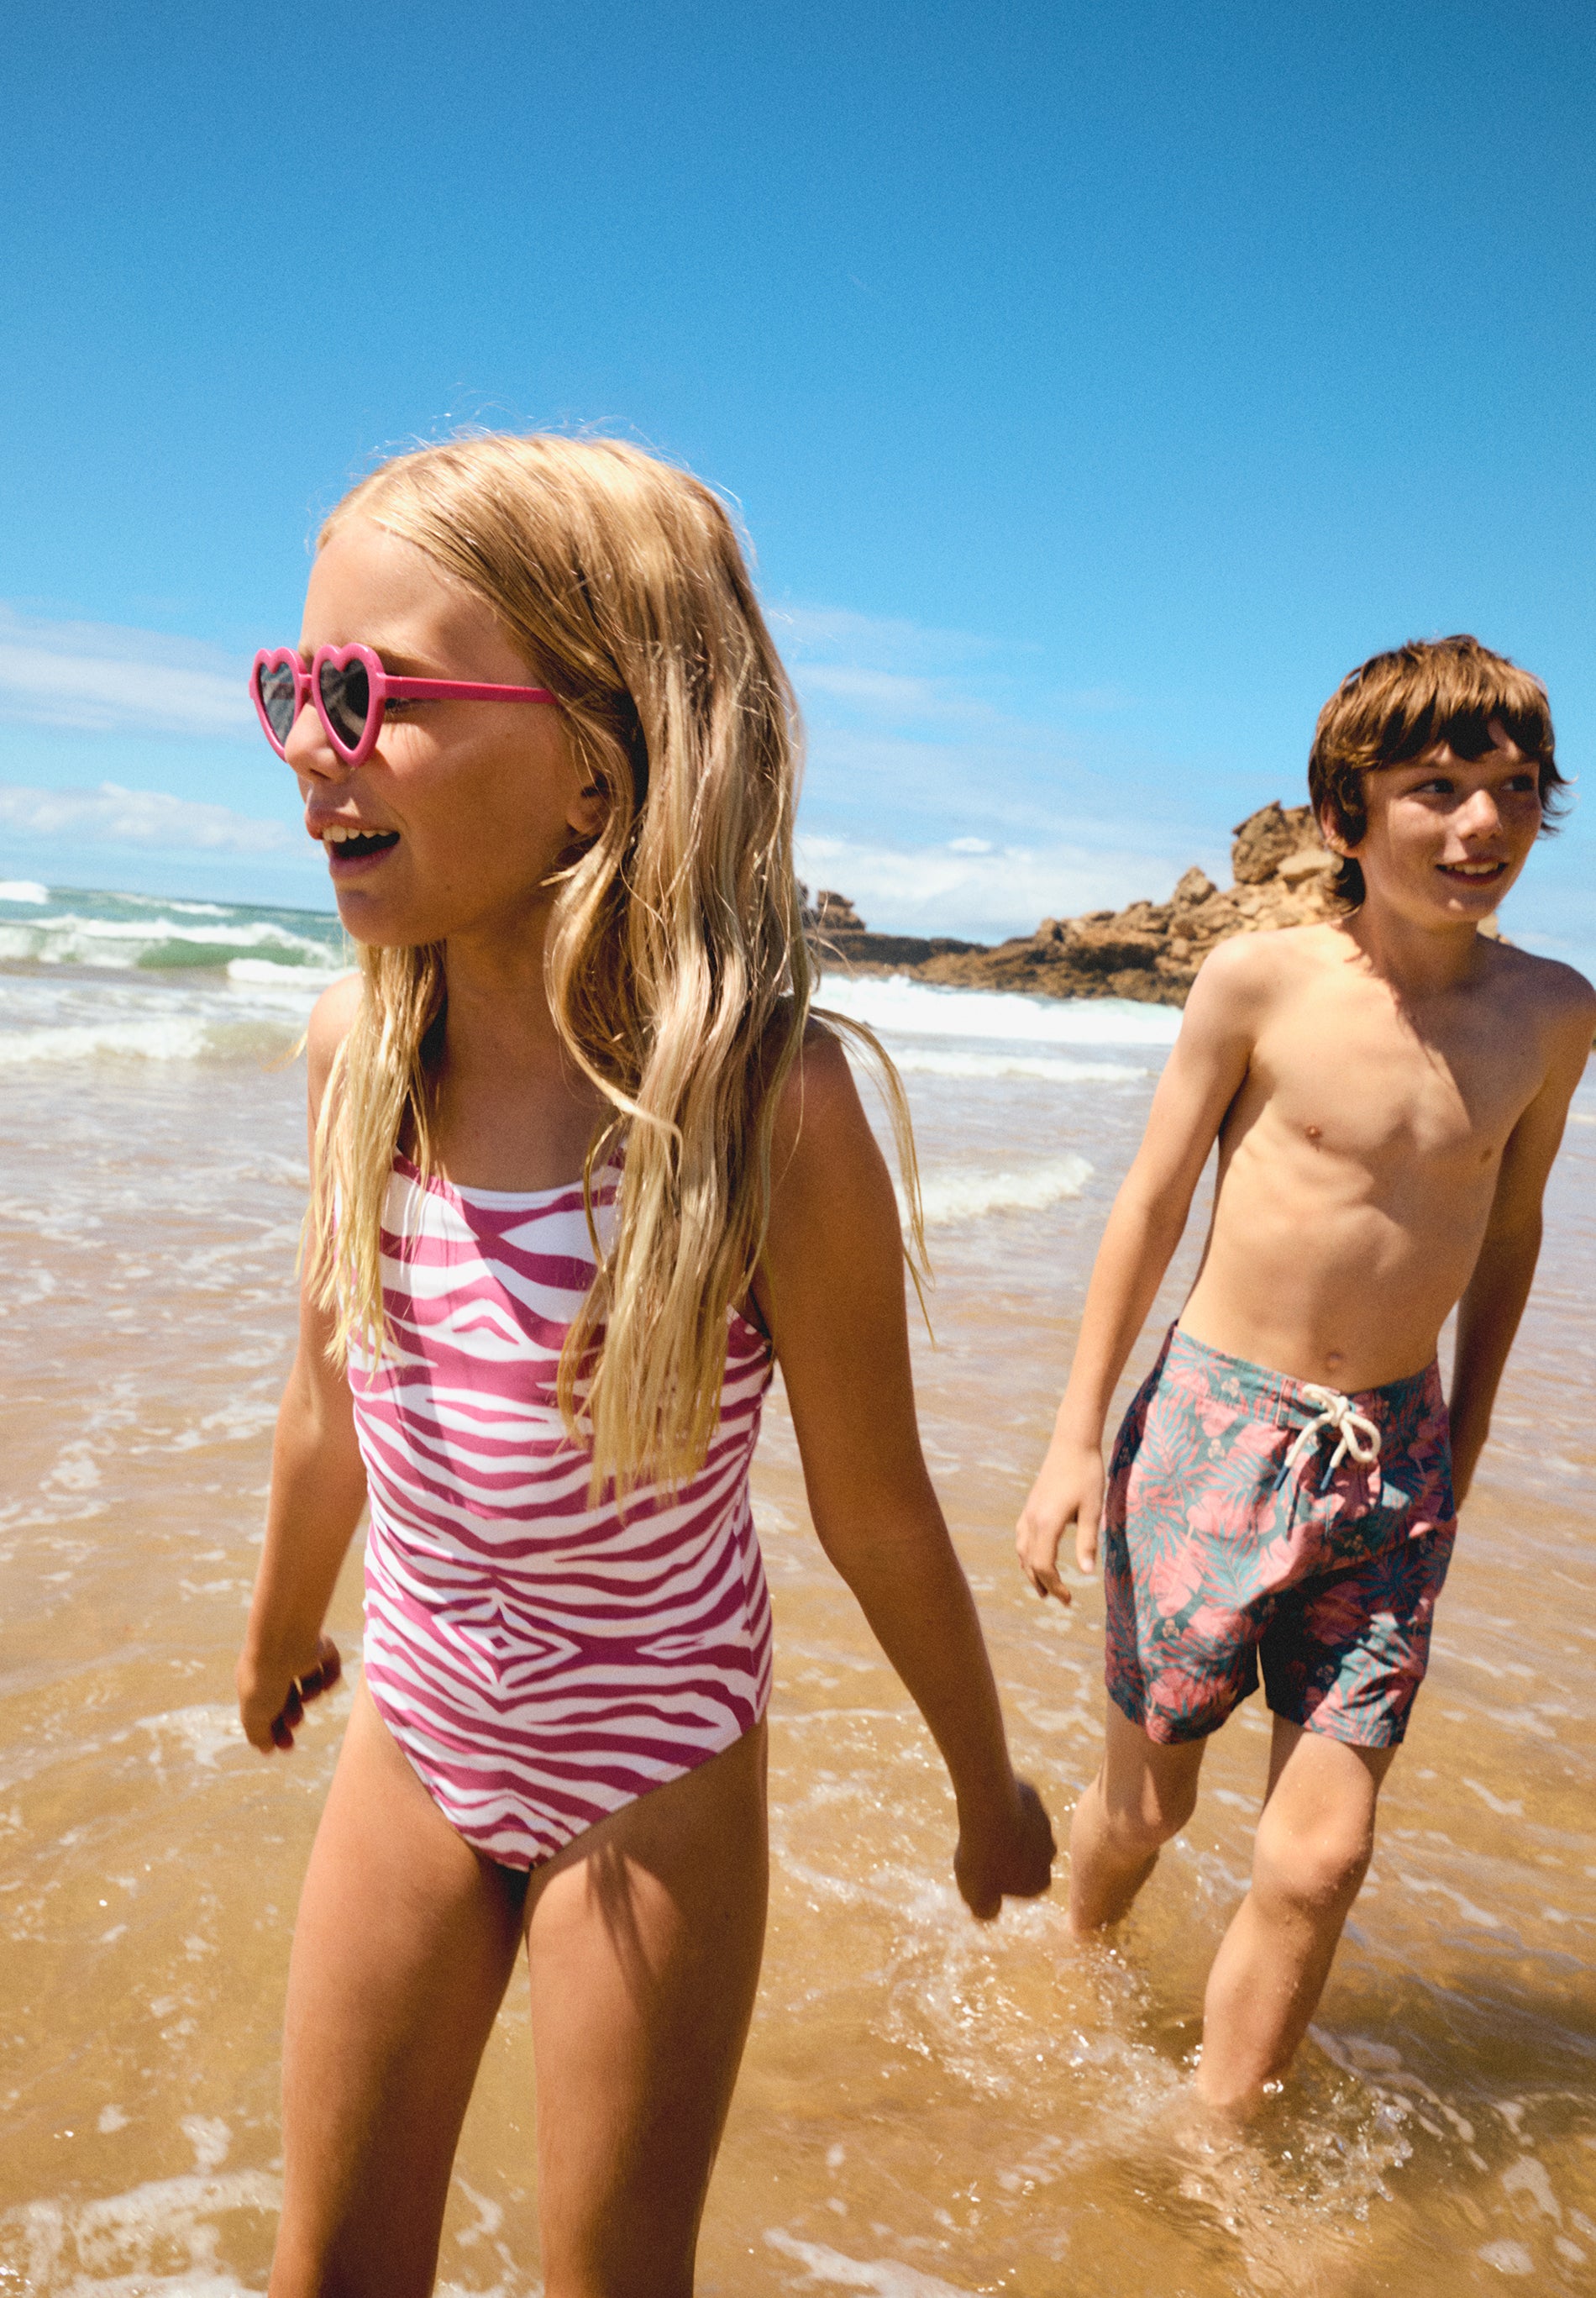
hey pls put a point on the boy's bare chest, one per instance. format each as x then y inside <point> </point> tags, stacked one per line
<point>1366,1079</point>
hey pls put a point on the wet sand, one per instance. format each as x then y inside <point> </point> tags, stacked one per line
<point>925,2106</point>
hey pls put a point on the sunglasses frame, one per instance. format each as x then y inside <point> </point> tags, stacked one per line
<point>382,686</point>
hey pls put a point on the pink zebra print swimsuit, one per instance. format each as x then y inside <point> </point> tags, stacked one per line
<point>540,1662</point>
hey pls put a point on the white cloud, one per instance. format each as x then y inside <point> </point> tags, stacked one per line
<point>961,785</point>
<point>113,816</point>
<point>867,671</point>
<point>104,678</point>
<point>873,642</point>
<point>980,895</point>
<point>890,694</point>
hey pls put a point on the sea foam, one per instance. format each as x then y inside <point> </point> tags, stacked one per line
<point>142,2233</point>
<point>1053,1069</point>
<point>949,1197</point>
<point>70,927</point>
<point>886,2277</point>
<point>154,943</point>
<point>181,1037</point>
<point>897,1007</point>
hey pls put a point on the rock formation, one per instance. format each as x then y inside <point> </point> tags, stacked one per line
<point>1150,951</point>
<point>838,932</point>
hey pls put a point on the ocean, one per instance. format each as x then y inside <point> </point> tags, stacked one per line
<point>926,2109</point>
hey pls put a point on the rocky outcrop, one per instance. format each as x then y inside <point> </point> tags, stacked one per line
<point>1150,951</point>
<point>840,935</point>
<point>1276,834</point>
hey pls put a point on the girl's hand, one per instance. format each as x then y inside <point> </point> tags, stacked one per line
<point>272,1699</point>
<point>1069,1490</point>
<point>1013,1858</point>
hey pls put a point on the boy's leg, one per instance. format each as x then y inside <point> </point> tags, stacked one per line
<point>1144,1793</point>
<point>1315,1835</point>
<point>404,1943</point>
<point>644,1941</point>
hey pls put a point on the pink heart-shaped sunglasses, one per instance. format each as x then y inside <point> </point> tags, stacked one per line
<point>349,689</point>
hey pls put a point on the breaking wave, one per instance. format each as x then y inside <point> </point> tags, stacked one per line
<point>1053,1069</point>
<point>950,1197</point>
<point>897,1007</point>
<point>71,927</point>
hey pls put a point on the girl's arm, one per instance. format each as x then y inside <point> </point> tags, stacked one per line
<point>317,1490</point>
<point>1201,1079</point>
<point>831,1291</point>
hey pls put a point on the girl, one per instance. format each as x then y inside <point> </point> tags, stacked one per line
<point>583,1169</point>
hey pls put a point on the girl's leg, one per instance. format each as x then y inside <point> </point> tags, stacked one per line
<point>1312,1852</point>
<point>1143,1794</point>
<point>644,1943</point>
<point>405,1940</point>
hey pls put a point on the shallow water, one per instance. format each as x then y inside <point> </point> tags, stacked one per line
<point>926,2107</point>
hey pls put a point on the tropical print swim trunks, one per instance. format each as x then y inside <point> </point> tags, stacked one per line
<point>1257,1522</point>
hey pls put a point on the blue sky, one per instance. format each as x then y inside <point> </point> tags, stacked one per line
<point>1096,386</point>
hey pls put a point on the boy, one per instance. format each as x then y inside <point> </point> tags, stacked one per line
<point>1388,1090</point>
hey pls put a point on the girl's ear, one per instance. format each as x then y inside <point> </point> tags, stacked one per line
<point>586,811</point>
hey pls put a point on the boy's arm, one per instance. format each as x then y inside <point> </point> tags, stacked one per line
<point>1201,1079</point>
<point>1493,1300</point>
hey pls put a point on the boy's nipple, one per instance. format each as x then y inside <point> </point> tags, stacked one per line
<point>1314,1133</point>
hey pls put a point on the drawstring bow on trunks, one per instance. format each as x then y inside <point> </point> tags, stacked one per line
<point>1359,1437</point>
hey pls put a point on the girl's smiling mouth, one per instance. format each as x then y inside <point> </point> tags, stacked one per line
<point>345,844</point>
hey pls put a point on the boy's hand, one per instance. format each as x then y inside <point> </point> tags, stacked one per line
<point>1068,1490</point>
<point>1012,1858</point>
<point>273,1697</point>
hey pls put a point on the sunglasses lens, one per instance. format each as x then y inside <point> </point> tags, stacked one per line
<point>277,701</point>
<point>346,697</point>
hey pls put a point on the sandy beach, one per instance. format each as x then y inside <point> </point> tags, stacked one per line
<point>926,2108</point>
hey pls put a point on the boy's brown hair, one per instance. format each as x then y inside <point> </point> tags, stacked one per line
<point>1397,705</point>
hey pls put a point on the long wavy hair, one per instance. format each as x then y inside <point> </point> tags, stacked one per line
<point>674,962</point>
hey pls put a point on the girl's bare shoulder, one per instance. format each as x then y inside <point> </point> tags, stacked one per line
<point>816,1102</point>
<point>331,1018</point>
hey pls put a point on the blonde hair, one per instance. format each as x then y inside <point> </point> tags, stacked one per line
<point>676,967</point>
